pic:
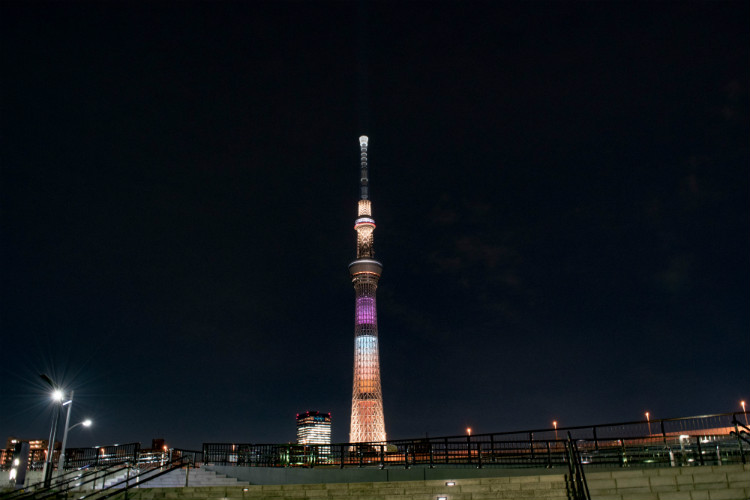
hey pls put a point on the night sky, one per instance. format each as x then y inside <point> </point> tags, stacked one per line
<point>561,192</point>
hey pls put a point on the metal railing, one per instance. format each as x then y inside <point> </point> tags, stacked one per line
<point>63,483</point>
<point>102,455</point>
<point>138,477</point>
<point>98,484</point>
<point>742,433</point>
<point>576,479</point>
<point>698,440</point>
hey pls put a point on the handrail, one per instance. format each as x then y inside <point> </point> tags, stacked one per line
<point>55,490</point>
<point>741,435</point>
<point>571,471</point>
<point>32,490</point>
<point>740,438</point>
<point>650,451</point>
<point>579,486</point>
<point>175,464</point>
<point>738,424</point>
<point>653,422</point>
<point>115,468</point>
<point>21,492</point>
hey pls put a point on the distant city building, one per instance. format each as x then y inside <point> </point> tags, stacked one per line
<point>37,451</point>
<point>313,427</point>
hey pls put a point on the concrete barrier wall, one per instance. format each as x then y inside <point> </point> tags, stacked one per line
<point>296,475</point>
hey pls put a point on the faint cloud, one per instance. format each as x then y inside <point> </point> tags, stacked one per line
<point>676,277</point>
<point>732,108</point>
<point>444,213</point>
<point>448,264</point>
<point>443,216</point>
<point>477,251</point>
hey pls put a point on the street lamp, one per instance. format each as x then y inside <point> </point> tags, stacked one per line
<point>85,423</point>
<point>648,419</point>
<point>57,396</point>
<point>742,404</point>
<point>554,423</point>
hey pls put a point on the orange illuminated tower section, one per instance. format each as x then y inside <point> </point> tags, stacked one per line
<point>368,423</point>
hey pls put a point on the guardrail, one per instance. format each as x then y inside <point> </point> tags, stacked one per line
<point>666,442</point>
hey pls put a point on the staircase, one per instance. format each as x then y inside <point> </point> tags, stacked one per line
<point>547,487</point>
<point>725,482</point>
<point>196,478</point>
<point>176,479</point>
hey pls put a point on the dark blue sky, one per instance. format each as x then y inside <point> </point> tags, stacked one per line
<point>561,192</point>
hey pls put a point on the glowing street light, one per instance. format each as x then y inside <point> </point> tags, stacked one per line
<point>742,404</point>
<point>85,423</point>
<point>57,397</point>
<point>648,419</point>
<point>554,423</point>
<point>468,431</point>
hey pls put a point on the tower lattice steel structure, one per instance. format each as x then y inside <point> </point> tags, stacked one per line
<point>368,422</point>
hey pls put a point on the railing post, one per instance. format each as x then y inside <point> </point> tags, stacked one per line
<point>361,456</point>
<point>406,457</point>
<point>549,457</point>
<point>187,474</point>
<point>341,456</point>
<point>432,462</point>
<point>492,447</point>
<point>700,450</point>
<point>468,447</point>
<point>446,451</point>
<point>479,454</point>
<point>739,440</point>
<point>596,441</point>
<point>531,443</point>
<point>663,432</point>
<point>382,456</point>
<point>622,452</point>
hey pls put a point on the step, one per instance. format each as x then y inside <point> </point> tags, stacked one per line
<point>532,487</point>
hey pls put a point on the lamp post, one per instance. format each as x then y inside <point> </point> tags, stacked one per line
<point>85,423</point>
<point>61,461</point>
<point>554,423</point>
<point>57,396</point>
<point>648,419</point>
<point>742,404</point>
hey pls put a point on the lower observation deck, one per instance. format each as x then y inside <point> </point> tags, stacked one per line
<point>365,266</point>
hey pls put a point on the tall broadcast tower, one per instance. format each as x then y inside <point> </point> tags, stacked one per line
<point>368,423</point>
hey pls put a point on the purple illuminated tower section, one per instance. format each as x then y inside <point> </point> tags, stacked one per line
<point>368,423</point>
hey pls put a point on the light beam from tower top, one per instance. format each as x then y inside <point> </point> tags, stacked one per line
<point>364,180</point>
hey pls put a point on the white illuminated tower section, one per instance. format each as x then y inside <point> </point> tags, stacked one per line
<point>368,423</point>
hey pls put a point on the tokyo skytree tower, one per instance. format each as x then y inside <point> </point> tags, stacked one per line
<point>368,423</point>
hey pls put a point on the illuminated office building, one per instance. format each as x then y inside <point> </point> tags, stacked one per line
<point>313,427</point>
